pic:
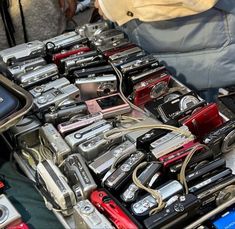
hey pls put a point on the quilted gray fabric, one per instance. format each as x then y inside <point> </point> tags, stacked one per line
<point>43,20</point>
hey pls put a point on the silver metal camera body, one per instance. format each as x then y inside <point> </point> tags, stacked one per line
<point>79,176</point>
<point>9,215</point>
<point>55,96</point>
<point>37,76</point>
<point>101,164</point>
<point>92,29</point>
<point>146,203</point>
<point>82,135</point>
<point>86,216</point>
<point>20,68</point>
<point>92,148</point>
<point>93,87</point>
<point>22,52</point>
<point>53,140</point>
<point>58,83</point>
<point>64,41</point>
<point>55,183</point>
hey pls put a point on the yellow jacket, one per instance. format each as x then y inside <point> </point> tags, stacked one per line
<point>122,11</point>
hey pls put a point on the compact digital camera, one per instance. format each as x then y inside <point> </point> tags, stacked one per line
<point>109,206</point>
<point>93,87</point>
<point>109,106</point>
<point>55,96</point>
<point>86,216</point>
<point>64,41</point>
<point>87,133</point>
<point>79,176</point>
<point>123,173</point>
<point>142,206</point>
<point>150,88</point>
<point>66,112</point>
<point>221,140</point>
<point>20,68</point>
<point>203,120</point>
<point>130,194</point>
<point>39,75</point>
<point>101,164</point>
<point>53,140</point>
<point>9,217</point>
<point>78,123</point>
<point>112,44</point>
<point>175,215</point>
<point>52,183</point>
<point>22,52</point>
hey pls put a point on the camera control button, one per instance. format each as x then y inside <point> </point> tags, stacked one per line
<point>77,136</point>
<point>179,207</point>
<point>130,14</point>
<point>125,167</point>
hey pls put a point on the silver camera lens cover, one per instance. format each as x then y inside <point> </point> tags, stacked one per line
<point>4,213</point>
<point>187,102</point>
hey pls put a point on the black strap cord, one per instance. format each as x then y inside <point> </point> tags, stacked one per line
<point>7,22</point>
<point>23,22</point>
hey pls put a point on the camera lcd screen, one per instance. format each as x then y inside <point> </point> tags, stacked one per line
<point>110,102</point>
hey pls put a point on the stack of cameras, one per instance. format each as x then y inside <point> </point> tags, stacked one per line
<point>75,82</point>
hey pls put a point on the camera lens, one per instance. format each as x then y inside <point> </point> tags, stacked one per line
<point>4,213</point>
<point>187,102</point>
<point>158,90</point>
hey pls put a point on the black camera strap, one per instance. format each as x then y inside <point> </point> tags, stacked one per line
<point>23,22</point>
<point>7,22</point>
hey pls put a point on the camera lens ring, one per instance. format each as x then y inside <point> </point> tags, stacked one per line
<point>87,209</point>
<point>187,102</point>
<point>105,89</point>
<point>227,146</point>
<point>5,213</point>
<point>170,97</point>
<point>158,89</point>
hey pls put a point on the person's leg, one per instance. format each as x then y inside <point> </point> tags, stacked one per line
<point>209,95</point>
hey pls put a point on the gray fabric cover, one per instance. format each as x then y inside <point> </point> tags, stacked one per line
<point>199,49</point>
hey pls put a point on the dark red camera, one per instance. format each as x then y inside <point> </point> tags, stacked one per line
<point>56,58</point>
<point>178,155</point>
<point>105,203</point>
<point>151,88</point>
<point>203,120</point>
<point>119,49</point>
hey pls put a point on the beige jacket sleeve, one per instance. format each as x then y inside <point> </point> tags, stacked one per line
<point>121,11</point>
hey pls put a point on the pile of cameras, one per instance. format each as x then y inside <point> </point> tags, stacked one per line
<point>84,173</point>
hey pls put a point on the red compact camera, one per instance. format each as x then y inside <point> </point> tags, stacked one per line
<point>178,155</point>
<point>150,88</point>
<point>106,204</point>
<point>56,58</point>
<point>203,120</point>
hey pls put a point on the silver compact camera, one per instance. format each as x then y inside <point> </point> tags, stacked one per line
<point>101,164</point>
<point>66,112</point>
<point>79,176</point>
<point>22,52</point>
<point>145,177</point>
<point>107,36</point>
<point>64,41</point>
<point>54,184</point>
<point>20,68</point>
<point>170,142</point>
<point>146,203</point>
<point>9,216</point>
<point>86,216</point>
<point>113,44</point>
<point>39,90</point>
<point>93,87</point>
<point>92,29</point>
<point>82,135</point>
<point>37,76</point>
<point>53,140</point>
<point>55,96</point>
<point>92,148</point>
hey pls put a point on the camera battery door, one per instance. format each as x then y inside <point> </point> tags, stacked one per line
<point>9,216</point>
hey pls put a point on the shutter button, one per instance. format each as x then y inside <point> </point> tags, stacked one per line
<point>130,14</point>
